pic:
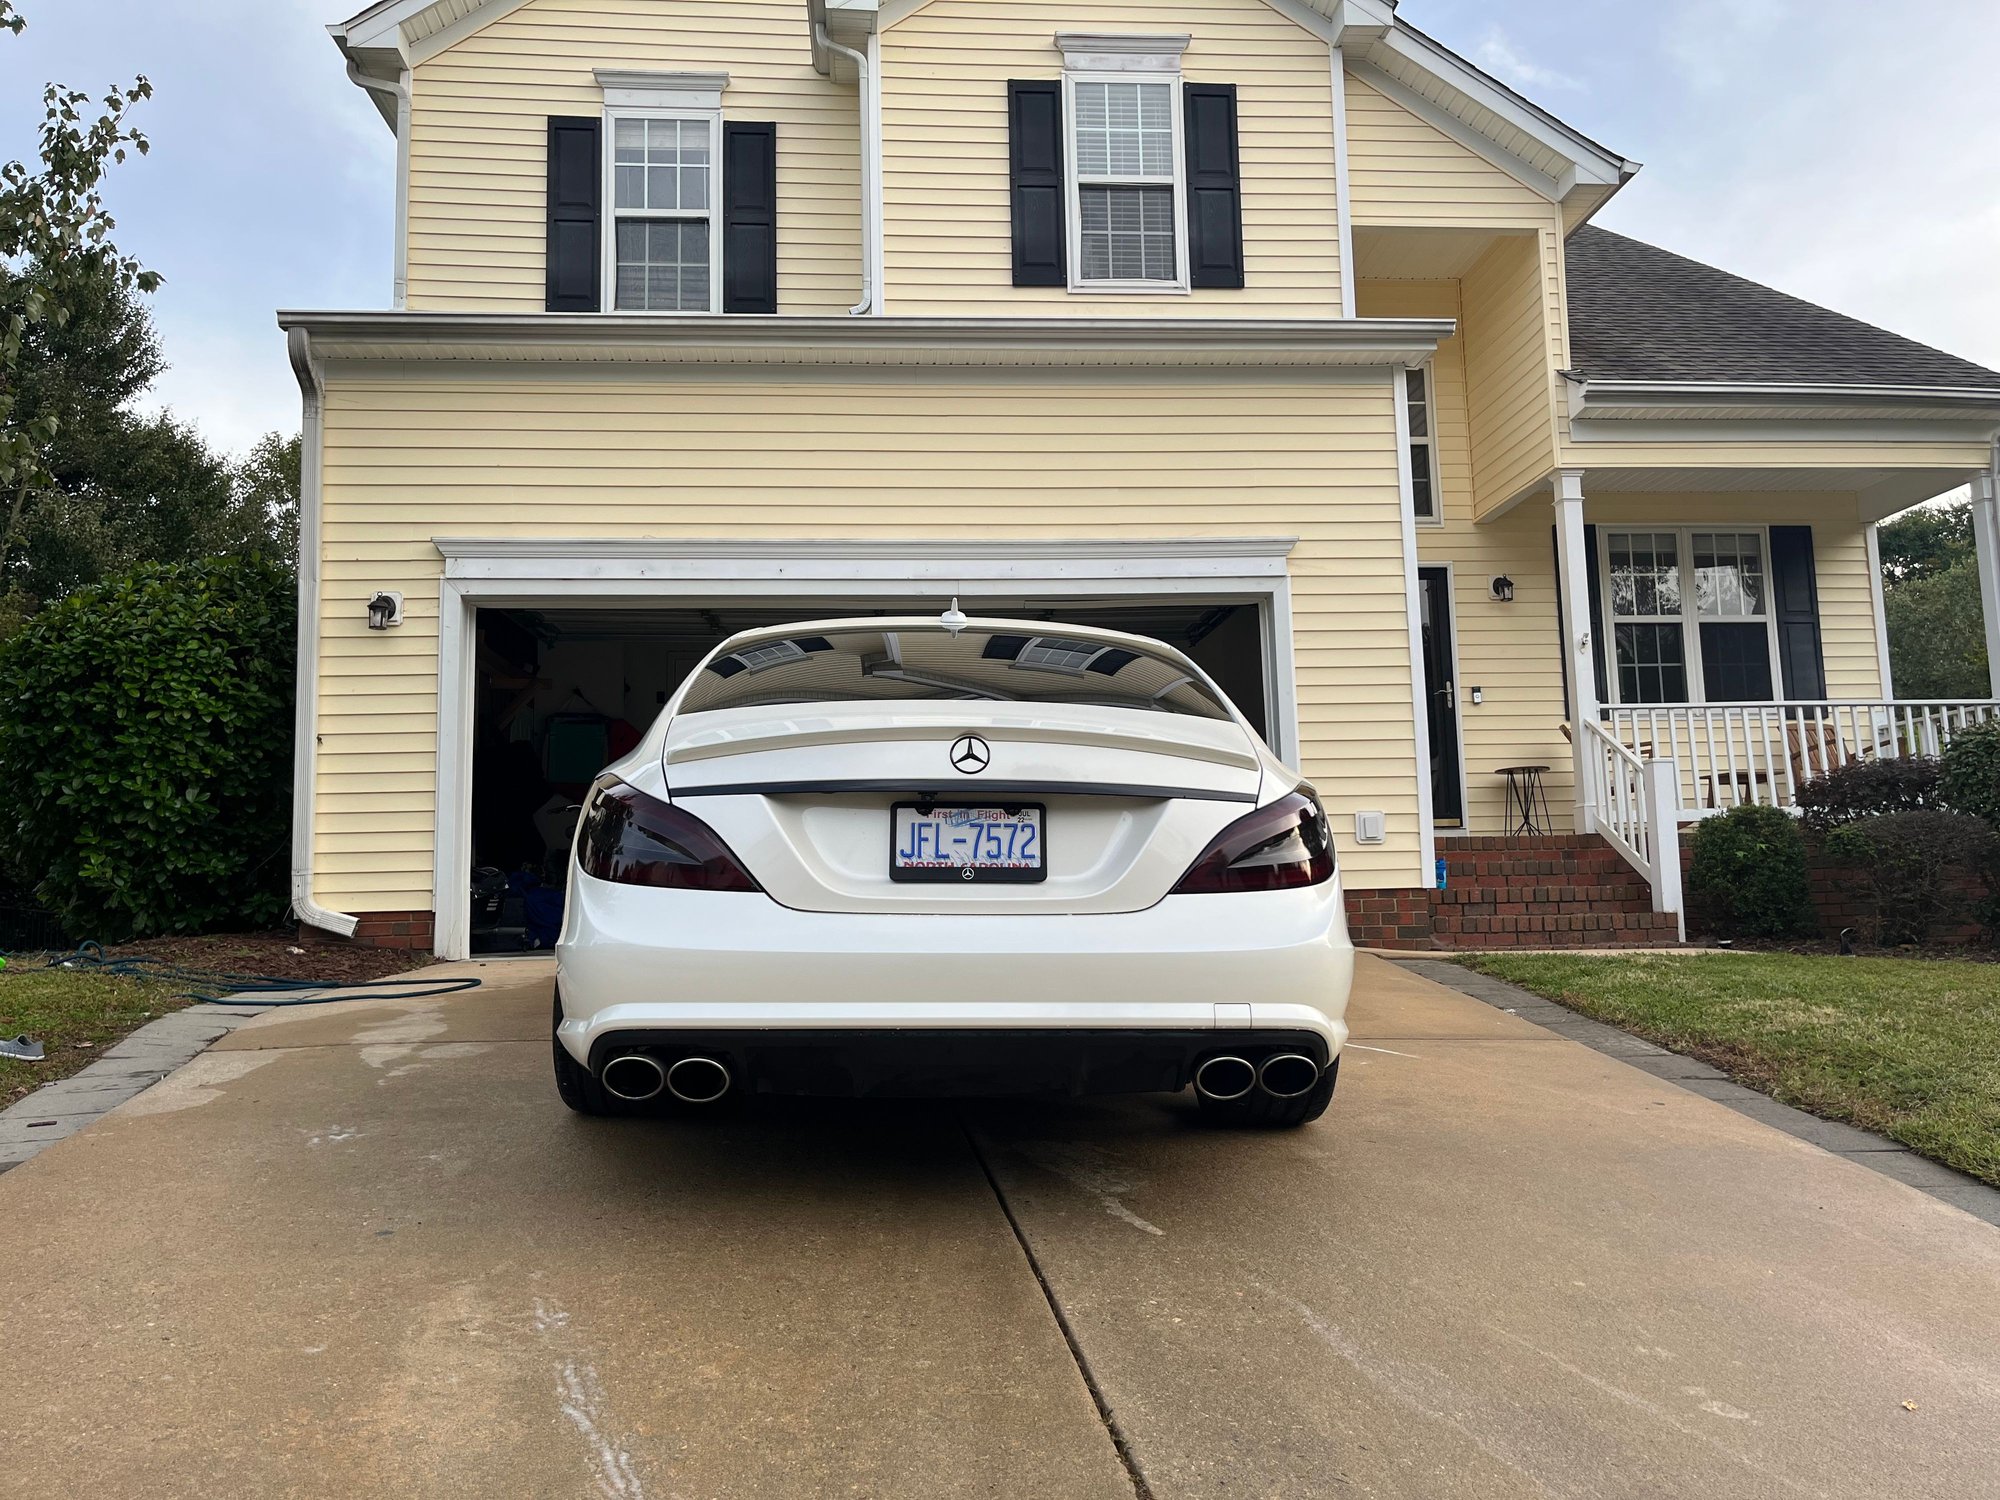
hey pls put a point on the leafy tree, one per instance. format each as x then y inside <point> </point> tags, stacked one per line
<point>1925,542</point>
<point>266,481</point>
<point>55,233</point>
<point>1937,634</point>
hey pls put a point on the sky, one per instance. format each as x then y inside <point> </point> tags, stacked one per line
<point>1836,149</point>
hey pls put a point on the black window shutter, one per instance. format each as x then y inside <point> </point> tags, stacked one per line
<point>1214,186</point>
<point>1035,168</point>
<point>575,185</point>
<point>1598,653</point>
<point>749,217</point>
<point>1795,596</point>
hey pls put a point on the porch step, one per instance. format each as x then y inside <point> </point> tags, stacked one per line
<point>1545,891</point>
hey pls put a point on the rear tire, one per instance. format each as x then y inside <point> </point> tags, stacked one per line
<point>1259,1110</point>
<point>574,1084</point>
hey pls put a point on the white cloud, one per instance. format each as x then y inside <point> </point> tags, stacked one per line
<point>1500,57</point>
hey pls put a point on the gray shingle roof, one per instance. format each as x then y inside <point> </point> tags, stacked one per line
<point>1637,312</point>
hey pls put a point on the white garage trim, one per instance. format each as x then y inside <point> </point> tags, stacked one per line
<point>530,572</point>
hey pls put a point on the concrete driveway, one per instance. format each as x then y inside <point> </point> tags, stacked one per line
<point>361,1250</point>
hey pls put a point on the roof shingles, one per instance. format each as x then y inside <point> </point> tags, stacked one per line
<point>1637,312</point>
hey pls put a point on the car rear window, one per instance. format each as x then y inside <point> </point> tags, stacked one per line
<point>930,663</point>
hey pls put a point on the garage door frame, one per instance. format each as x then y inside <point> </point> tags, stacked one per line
<point>541,572</point>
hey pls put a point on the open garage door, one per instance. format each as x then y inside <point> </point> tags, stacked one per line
<point>560,692</point>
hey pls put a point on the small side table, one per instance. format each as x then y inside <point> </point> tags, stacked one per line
<point>1527,797</point>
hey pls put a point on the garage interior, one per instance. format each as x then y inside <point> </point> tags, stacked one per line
<point>560,693</point>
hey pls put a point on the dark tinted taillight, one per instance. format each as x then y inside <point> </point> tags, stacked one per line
<point>634,839</point>
<point>1272,849</point>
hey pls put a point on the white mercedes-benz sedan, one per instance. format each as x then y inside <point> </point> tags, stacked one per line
<point>951,856</point>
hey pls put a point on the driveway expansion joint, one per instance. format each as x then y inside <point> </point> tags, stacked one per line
<point>56,1111</point>
<point>1120,1440</point>
<point>1862,1147</point>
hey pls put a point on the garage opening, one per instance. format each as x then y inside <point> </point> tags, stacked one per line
<point>560,693</point>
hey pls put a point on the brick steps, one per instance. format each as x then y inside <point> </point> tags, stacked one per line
<point>1551,891</point>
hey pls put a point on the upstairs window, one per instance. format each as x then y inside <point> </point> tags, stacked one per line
<point>662,244</point>
<point>1126,184</point>
<point>1126,162</point>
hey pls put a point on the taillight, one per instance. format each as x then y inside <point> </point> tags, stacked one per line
<point>1272,849</point>
<point>633,839</point>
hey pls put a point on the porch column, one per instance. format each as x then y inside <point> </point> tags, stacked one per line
<point>1986,544</point>
<point>1573,584</point>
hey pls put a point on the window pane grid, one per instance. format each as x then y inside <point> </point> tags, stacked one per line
<point>662,192</point>
<point>1728,574</point>
<point>1423,477</point>
<point>1125,131</point>
<point>1127,233</point>
<point>661,166</point>
<point>1679,594</point>
<point>662,265</point>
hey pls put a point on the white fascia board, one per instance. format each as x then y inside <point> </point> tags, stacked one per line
<point>1664,393</point>
<point>1530,177</point>
<point>805,341</point>
<point>386,29</point>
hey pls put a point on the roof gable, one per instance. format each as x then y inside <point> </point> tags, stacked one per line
<point>1642,314</point>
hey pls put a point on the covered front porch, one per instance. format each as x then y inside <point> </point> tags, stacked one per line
<point>1720,656</point>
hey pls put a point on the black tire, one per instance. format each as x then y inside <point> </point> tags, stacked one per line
<point>574,1084</point>
<point>1259,1110</point>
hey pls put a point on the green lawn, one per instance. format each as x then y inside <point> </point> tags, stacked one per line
<point>74,1016</point>
<point>1906,1047</point>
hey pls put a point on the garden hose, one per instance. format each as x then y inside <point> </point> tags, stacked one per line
<point>91,957</point>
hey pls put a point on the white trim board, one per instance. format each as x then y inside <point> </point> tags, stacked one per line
<point>582,573</point>
<point>1419,719</point>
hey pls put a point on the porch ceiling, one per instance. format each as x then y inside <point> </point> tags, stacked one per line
<point>1878,492</point>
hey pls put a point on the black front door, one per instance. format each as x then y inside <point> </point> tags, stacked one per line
<point>1441,693</point>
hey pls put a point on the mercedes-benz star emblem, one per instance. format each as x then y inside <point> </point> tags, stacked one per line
<point>970,754</point>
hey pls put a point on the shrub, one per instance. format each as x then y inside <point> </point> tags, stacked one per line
<point>1920,869</point>
<point>1970,782</point>
<point>145,749</point>
<point>1748,876</point>
<point>1867,789</point>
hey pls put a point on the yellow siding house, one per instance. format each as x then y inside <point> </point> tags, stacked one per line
<point>1270,327</point>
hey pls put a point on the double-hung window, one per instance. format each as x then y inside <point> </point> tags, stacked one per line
<point>1690,615</point>
<point>1127,164</point>
<point>662,180</point>
<point>662,240</point>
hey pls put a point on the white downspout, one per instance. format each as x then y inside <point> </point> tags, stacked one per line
<point>305,753</point>
<point>869,105</point>
<point>400,92</point>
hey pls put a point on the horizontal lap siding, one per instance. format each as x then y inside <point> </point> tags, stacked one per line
<point>478,140</point>
<point>946,227</point>
<point>1403,170</point>
<point>413,457</point>
<point>1511,325</point>
<point>1509,651</point>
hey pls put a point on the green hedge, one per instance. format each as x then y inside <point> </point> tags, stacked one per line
<point>145,750</point>
<point>1748,874</point>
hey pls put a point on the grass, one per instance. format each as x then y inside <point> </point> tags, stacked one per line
<point>74,1016</point>
<point>1909,1048</point>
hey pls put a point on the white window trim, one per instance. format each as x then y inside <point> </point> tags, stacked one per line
<point>1073,184</point>
<point>1430,441</point>
<point>1688,620</point>
<point>661,96</point>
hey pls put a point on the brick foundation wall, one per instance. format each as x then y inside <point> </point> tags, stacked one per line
<point>1390,919</point>
<point>412,930</point>
<point>1840,898</point>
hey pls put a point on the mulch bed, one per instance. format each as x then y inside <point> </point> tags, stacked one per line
<point>274,955</point>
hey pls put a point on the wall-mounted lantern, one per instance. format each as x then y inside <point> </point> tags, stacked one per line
<point>385,609</point>
<point>1503,589</point>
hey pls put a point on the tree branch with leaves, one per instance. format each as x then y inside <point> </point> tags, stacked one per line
<point>55,236</point>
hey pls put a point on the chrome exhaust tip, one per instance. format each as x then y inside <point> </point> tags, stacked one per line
<point>633,1077</point>
<point>1225,1077</point>
<point>1286,1075</point>
<point>698,1080</point>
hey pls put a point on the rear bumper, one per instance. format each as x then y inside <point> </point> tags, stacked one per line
<point>666,963</point>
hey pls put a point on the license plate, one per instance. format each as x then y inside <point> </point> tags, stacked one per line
<point>966,843</point>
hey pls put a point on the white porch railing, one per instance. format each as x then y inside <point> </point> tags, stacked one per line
<point>1636,806</point>
<point>1727,754</point>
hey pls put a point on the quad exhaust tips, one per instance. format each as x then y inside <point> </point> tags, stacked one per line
<point>1283,1075</point>
<point>638,1076</point>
